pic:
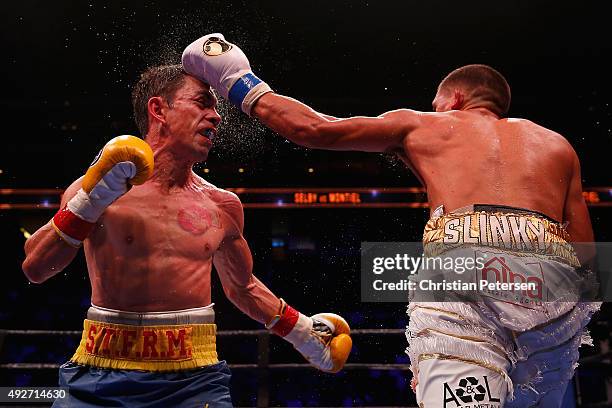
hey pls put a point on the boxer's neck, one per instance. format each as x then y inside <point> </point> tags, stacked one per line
<point>170,171</point>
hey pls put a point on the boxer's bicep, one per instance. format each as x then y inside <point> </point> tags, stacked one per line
<point>577,214</point>
<point>328,117</point>
<point>380,134</point>
<point>233,259</point>
<point>46,253</point>
<point>575,210</point>
<point>234,263</point>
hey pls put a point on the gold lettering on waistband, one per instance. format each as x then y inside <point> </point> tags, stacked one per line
<point>451,233</point>
<point>507,231</point>
<point>139,343</point>
<point>504,230</point>
<point>468,238</point>
<point>499,231</point>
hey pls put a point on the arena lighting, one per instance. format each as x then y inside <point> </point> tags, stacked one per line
<point>289,198</point>
<point>278,242</point>
<point>25,233</point>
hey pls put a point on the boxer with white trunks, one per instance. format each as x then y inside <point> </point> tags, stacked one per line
<point>467,154</point>
<point>152,230</point>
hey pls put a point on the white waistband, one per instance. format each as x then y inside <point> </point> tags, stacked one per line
<point>198,315</point>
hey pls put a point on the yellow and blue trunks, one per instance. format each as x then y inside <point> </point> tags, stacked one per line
<point>150,348</point>
<point>146,360</point>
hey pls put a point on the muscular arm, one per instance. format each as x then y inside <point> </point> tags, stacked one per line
<point>302,125</point>
<point>234,265</point>
<point>576,213</point>
<point>46,253</point>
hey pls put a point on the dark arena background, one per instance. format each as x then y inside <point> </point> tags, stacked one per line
<point>68,68</point>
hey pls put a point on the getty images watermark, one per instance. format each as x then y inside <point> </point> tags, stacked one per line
<point>457,265</point>
<point>403,271</point>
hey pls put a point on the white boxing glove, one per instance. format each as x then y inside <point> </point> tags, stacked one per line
<point>225,67</point>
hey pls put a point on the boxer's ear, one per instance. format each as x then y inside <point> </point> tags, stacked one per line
<point>156,106</point>
<point>457,100</point>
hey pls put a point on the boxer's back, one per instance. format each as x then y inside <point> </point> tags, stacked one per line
<point>471,157</point>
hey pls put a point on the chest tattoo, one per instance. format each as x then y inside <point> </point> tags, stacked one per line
<point>197,220</point>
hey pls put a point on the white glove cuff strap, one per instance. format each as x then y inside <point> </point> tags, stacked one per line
<point>90,207</point>
<point>300,332</point>
<point>81,206</point>
<point>257,92</point>
<point>245,91</point>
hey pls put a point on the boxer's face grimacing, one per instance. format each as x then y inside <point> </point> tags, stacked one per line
<point>192,119</point>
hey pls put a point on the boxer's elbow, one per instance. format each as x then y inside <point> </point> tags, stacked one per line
<point>38,267</point>
<point>34,270</point>
<point>46,256</point>
<point>31,265</point>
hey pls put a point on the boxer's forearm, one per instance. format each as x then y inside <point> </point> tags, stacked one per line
<point>234,264</point>
<point>46,255</point>
<point>253,299</point>
<point>291,119</point>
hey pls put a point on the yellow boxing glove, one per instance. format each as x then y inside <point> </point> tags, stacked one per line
<point>323,339</point>
<point>339,332</point>
<point>124,161</point>
<point>135,153</point>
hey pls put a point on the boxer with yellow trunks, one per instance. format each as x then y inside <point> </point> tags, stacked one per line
<point>152,230</point>
<point>465,152</point>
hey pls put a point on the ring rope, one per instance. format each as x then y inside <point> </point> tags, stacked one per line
<point>260,332</point>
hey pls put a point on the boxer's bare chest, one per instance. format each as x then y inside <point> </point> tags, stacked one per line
<point>185,224</point>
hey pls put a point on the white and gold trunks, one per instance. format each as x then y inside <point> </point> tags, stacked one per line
<point>510,351</point>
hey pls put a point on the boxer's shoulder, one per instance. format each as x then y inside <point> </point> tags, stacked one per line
<point>221,196</point>
<point>407,118</point>
<point>435,125</point>
<point>227,201</point>
<point>529,125</point>
<point>230,205</point>
<point>436,120</point>
<point>549,140</point>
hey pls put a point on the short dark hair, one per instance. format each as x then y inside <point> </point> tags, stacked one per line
<point>162,80</point>
<point>481,82</point>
